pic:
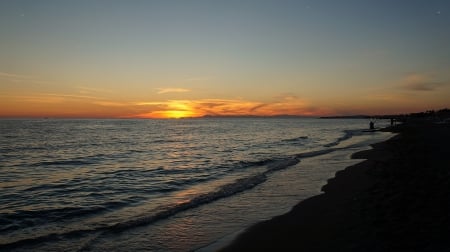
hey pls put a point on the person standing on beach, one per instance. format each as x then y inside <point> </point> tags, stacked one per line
<point>371,125</point>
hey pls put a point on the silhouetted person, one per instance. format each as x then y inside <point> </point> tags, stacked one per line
<point>371,125</point>
<point>392,121</point>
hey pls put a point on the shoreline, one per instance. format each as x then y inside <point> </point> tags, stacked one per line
<point>396,199</point>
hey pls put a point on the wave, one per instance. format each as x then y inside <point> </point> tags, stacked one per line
<point>26,219</point>
<point>296,139</point>
<point>237,186</point>
<point>12,149</point>
<point>43,187</point>
<point>85,160</point>
<point>226,190</point>
<point>73,162</point>
<point>281,164</point>
<point>166,141</point>
<point>46,238</point>
<point>347,135</point>
<point>10,223</point>
<point>314,153</point>
<point>272,164</point>
<point>246,164</point>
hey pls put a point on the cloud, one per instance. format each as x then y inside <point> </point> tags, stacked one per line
<point>149,103</point>
<point>71,96</point>
<point>419,82</point>
<point>63,98</point>
<point>16,76</point>
<point>21,78</point>
<point>111,104</point>
<point>258,107</point>
<point>284,105</point>
<point>172,90</point>
<point>40,99</point>
<point>91,90</point>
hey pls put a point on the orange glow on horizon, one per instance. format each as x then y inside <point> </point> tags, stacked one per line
<point>169,110</point>
<point>178,114</point>
<point>221,107</point>
<point>72,106</point>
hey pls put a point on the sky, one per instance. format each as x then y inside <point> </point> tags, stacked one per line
<point>189,58</point>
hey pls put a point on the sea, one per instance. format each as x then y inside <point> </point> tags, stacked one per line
<point>162,185</point>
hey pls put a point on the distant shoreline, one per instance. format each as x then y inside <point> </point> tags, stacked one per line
<point>430,114</point>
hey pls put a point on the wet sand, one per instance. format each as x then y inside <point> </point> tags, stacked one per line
<point>396,200</point>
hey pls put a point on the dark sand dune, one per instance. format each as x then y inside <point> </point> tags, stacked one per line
<point>396,200</point>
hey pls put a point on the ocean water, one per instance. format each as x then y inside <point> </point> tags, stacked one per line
<point>161,185</point>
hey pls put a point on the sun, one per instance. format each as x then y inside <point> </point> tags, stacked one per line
<point>177,114</point>
<point>173,110</point>
<point>179,109</point>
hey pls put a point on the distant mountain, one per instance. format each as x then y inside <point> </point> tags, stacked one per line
<point>256,116</point>
<point>347,117</point>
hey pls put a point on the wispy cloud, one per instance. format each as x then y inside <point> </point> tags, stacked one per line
<point>40,99</point>
<point>111,104</point>
<point>73,96</point>
<point>285,105</point>
<point>144,103</point>
<point>172,90</point>
<point>419,82</point>
<point>10,75</point>
<point>90,90</point>
<point>51,98</point>
<point>19,78</point>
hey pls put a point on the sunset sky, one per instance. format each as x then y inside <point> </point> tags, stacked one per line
<point>187,58</point>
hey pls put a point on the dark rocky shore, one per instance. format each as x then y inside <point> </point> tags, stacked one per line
<point>396,200</point>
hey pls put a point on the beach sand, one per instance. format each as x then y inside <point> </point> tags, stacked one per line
<point>396,200</point>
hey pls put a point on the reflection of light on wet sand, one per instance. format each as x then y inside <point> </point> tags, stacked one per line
<point>180,230</point>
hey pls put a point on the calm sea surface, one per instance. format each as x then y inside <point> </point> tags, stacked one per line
<point>161,185</point>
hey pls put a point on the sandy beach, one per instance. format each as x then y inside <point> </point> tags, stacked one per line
<point>395,200</point>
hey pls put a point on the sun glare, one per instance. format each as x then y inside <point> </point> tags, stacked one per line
<point>178,109</point>
<point>177,114</point>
